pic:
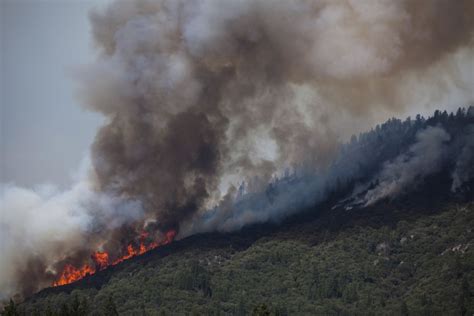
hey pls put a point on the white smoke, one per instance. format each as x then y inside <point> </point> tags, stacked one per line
<point>42,226</point>
<point>464,170</point>
<point>409,169</point>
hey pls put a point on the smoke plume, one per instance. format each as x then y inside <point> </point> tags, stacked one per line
<point>197,93</point>
<point>41,227</point>
<point>423,158</point>
<point>201,96</point>
<point>464,170</point>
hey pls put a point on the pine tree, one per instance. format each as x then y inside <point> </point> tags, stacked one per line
<point>464,296</point>
<point>48,311</point>
<point>64,311</point>
<point>404,309</point>
<point>240,309</point>
<point>84,307</point>
<point>75,307</point>
<point>10,309</point>
<point>110,309</point>
<point>261,310</point>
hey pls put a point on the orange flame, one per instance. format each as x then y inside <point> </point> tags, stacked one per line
<point>101,259</point>
<point>71,274</point>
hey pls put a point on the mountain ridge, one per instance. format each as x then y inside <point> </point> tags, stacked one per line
<point>209,273</point>
<point>228,250</point>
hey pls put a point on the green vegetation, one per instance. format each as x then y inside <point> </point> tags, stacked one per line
<point>416,265</point>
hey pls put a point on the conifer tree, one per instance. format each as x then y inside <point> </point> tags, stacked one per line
<point>10,309</point>
<point>110,309</point>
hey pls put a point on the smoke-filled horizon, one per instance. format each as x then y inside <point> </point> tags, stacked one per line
<point>194,90</point>
<point>202,96</point>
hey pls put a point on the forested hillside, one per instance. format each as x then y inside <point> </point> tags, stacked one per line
<point>399,262</point>
<point>388,230</point>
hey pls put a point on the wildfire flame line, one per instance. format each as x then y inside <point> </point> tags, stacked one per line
<point>101,259</point>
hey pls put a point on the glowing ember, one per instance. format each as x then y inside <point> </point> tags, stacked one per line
<point>101,259</point>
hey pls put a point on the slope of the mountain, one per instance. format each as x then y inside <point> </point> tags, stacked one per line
<point>387,229</point>
<point>391,258</point>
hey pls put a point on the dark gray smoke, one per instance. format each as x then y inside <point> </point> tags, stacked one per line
<point>200,96</point>
<point>198,92</point>
<point>389,162</point>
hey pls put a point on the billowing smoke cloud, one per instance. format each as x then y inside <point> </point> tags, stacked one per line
<point>41,227</point>
<point>423,158</point>
<point>198,93</point>
<point>464,170</point>
<point>386,163</point>
<point>200,96</point>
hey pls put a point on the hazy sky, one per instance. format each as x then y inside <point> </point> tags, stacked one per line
<point>44,131</point>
